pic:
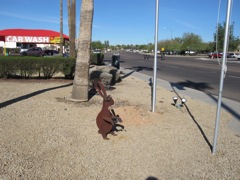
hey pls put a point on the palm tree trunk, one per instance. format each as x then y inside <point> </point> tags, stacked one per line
<point>69,2</point>
<point>81,77</point>
<point>72,26</point>
<point>61,27</point>
<point>73,29</point>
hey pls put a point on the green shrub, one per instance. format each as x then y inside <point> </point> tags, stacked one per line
<point>8,67</point>
<point>44,67</point>
<point>49,66</point>
<point>68,67</point>
<point>97,58</point>
<point>27,67</point>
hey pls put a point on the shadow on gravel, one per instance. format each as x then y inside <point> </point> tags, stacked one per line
<point>199,127</point>
<point>191,115</point>
<point>21,98</point>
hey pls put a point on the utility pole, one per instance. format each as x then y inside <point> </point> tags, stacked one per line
<point>155,60</point>
<point>225,47</point>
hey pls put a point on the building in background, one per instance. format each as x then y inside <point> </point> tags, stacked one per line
<point>27,38</point>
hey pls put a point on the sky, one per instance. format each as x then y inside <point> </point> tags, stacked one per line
<point>125,21</point>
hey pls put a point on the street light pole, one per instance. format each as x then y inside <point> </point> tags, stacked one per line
<point>225,47</point>
<point>155,60</point>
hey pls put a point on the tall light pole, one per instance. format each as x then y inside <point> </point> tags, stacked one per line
<point>225,47</point>
<point>155,60</point>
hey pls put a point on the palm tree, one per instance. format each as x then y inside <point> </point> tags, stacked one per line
<point>81,77</point>
<point>61,27</point>
<point>72,26</point>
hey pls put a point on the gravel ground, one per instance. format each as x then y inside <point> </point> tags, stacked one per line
<point>46,136</point>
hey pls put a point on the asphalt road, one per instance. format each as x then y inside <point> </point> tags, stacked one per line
<point>200,73</point>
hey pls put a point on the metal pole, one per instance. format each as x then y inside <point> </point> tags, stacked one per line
<point>155,61</point>
<point>225,47</point>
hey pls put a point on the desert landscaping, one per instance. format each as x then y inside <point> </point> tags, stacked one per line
<point>44,135</point>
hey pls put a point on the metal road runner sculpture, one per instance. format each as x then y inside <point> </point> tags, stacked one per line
<point>106,120</point>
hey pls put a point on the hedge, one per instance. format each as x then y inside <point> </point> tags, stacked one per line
<point>41,67</point>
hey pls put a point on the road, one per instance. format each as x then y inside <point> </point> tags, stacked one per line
<point>200,73</point>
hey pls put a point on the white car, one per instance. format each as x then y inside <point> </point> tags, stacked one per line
<point>232,55</point>
<point>238,56</point>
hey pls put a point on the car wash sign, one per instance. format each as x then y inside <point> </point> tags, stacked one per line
<point>27,39</point>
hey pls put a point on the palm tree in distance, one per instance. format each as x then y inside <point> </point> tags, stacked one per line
<point>81,77</point>
<point>72,26</point>
<point>61,27</point>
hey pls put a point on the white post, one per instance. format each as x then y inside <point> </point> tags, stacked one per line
<point>155,60</point>
<point>225,47</point>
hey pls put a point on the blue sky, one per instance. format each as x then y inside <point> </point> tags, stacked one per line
<point>125,21</point>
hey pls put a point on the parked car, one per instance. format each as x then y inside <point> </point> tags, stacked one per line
<point>232,55</point>
<point>238,56</point>
<point>49,52</point>
<point>96,51</point>
<point>215,55</point>
<point>37,51</point>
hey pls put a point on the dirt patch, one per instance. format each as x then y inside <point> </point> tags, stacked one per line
<point>132,115</point>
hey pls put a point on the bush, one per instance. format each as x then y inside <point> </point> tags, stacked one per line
<point>44,67</point>
<point>68,67</point>
<point>97,58</point>
<point>7,67</point>
<point>26,67</point>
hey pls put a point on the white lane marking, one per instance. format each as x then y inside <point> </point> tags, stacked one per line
<point>172,66</point>
<point>235,77</point>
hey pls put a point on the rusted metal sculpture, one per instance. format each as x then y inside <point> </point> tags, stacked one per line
<point>106,119</point>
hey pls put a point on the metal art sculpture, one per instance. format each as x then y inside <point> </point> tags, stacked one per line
<point>106,119</point>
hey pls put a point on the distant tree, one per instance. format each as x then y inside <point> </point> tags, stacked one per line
<point>176,44</point>
<point>164,44</point>
<point>219,38</point>
<point>81,77</point>
<point>171,45</point>
<point>97,45</point>
<point>191,41</point>
<point>150,47</point>
<point>106,44</point>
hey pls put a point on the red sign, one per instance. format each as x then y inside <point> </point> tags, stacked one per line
<point>29,39</point>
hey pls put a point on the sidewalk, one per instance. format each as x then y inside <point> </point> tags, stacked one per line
<point>231,106</point>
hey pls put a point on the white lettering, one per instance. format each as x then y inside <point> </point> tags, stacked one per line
<point>20,39</point>
<point>8,38</point>
<point>46,39</point>
<point>28,39</point>
<point>14,39</point>
<point>33,39</point>
<point>40,39</point>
